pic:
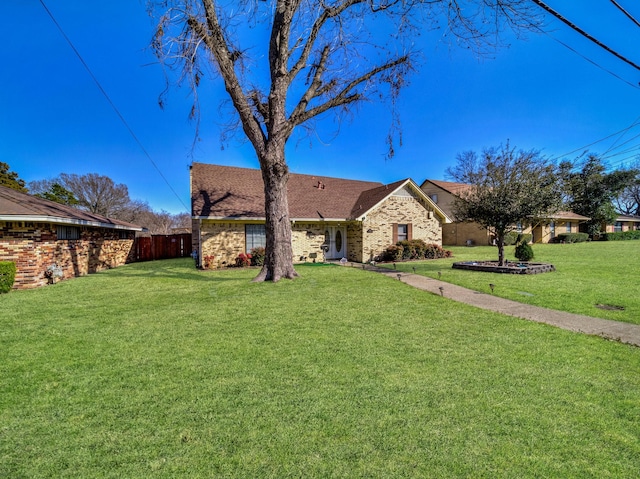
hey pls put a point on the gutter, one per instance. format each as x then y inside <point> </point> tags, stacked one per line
<point>68,221</point>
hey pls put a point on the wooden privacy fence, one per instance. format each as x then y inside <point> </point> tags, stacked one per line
<point>153,247</point>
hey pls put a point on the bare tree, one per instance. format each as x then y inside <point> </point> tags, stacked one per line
<point>303,58</point>
<point>506,187</point>
<point>96,193</point>
<point>628,201</point>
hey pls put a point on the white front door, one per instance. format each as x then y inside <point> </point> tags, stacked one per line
<point>335,238</point>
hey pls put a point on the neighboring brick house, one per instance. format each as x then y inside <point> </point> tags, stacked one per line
<point>443,193</point>
<point>624,223</point>
<point>331,218</point>
<point>40,235</point>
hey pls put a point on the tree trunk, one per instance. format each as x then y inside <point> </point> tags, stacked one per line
<point>500,243</point>
<point>278,262</point>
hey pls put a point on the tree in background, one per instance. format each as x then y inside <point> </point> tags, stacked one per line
<point>52,191</point>
<point>590,190</point>
<point>100,194</point>
<point>628,201</point>
<point>506,187</point>
<point>96,193</point>
<point>10,179</point>
<point>285,63</point>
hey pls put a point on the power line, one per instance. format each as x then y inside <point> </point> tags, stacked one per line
<point>113,106</point>
<point>583,33</point>
<point>629,16</point>
<point>582,148</point>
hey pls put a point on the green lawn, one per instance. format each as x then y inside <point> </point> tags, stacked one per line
<point>156,370</point>
<point>587,274</point>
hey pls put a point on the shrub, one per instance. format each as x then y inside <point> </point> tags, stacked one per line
<point>571,238</point>
<point>243,260</point>
<point>621,236</point>
<point>413,249</point>
<point>209,261</point>
<point>524,251</point>
<point>7,276</point>
<point>392,253</point>
<point>257,256</point>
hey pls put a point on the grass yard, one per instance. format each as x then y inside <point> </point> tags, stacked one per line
<point>158,370</point>
<point>587,274</point>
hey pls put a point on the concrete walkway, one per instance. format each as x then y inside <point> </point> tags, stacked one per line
<point>614,330</point>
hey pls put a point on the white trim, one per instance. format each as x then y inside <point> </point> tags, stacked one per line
<point>67,221</point>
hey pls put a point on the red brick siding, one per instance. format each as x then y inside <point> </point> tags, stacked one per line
<point>34,247</point>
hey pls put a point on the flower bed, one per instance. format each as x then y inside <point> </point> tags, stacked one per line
<point>520,267</point>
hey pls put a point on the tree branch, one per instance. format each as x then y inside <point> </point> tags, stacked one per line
<point>345,96</point>
<point>212,35</point>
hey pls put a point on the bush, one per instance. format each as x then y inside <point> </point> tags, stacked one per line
<point>243,260</point>
<point>392,253</point>
<point>257,256</point>
<point>621,236</point>
<point>413,250</point>
<point>524,251</point>
<point>571,238</point>
<point>7,276</point>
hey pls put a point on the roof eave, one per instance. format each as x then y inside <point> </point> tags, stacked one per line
<point>67,221</point>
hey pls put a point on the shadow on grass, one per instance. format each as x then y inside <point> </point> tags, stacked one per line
<point>184,269</point>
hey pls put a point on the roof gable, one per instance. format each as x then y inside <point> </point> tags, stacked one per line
<point>18,206</point>
<point>449,186</point>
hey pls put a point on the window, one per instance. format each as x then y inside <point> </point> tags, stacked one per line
<point>617,228</point>
<point>255,236</point>
<point>519,227</point>
<point>402,232</point>
<point>434,198</point>
<point>552,229</point>
<point>568,226</point>
<point>68,232</point>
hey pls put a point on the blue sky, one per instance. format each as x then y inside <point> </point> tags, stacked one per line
<point>536,93</point>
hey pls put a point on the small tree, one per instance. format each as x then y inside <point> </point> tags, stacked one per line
<point>523,251</point>
<point>506,187</point>
<point>590,190</point>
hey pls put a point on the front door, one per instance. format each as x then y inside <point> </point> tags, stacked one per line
<point>335,237</point>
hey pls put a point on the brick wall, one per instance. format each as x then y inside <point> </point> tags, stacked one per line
<point>377,228</point>
<point>307,239</point>
<point>461,232</point>
<point>34,247</point>
<point>225,240</point>
<point>222,240</point>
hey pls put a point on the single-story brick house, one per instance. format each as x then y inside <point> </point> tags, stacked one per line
<point>443,193</point>
<point>42,236</point>
<point>331,218</point>
<point>624,223</point>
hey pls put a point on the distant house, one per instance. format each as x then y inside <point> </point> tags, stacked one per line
<point>331,218</point>
<point>44,238</point>
<point>460,233</point>
<point>545,230</point>
<point>624,223</point>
